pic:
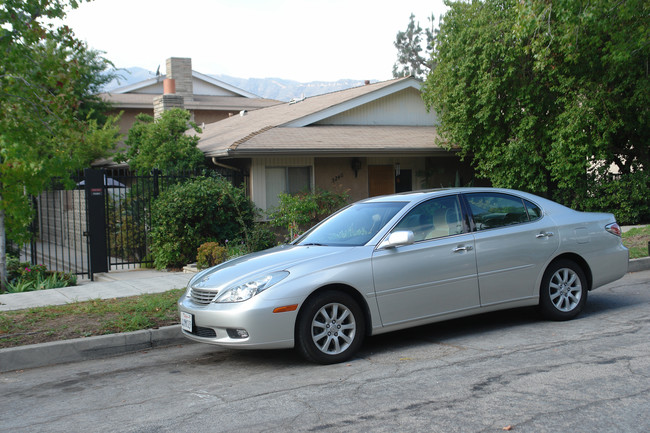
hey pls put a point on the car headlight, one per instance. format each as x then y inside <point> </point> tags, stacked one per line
<point>247,290</point>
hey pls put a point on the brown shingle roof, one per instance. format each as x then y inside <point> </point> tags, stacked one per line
<point>340,139</point>
<point>268,129</point>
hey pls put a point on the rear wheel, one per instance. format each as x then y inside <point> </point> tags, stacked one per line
<point>330,328</point>
<point>563,293</point>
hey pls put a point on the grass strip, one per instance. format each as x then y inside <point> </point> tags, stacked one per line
<point>89,318</point>
<point>636,240</point>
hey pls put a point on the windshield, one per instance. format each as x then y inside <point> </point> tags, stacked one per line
<point>353,226</point>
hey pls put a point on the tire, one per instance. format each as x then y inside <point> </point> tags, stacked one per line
<point>330,328</point>
<point>563,293</point>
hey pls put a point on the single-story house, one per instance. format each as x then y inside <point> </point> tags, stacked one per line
<point>207,98</point>
<point>369,140</point>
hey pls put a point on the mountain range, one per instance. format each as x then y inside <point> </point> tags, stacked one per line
<point>270,88</point>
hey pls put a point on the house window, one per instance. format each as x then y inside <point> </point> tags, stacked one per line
<point>290,180</point>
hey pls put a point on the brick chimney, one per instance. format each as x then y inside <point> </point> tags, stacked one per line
<point>177,87</point>
<point>180,70</point>
<point>168,100</point>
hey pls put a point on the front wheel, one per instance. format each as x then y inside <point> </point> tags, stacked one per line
<point>330,328</point>
<point>563,293</point>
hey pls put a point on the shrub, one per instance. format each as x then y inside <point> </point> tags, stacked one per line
<point>210,254</point>
<point>261,238</point>
<point>192,213</point>
<point>300,211</point>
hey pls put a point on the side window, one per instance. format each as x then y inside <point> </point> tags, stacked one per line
<point>433,219</point>
<point>491,210</point>
<point>534,212</point>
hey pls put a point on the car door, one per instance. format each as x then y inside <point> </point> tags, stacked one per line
<point>513,242</point>
<point>434,275</point>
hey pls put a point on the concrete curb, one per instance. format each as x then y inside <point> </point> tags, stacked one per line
<point>83,349</point>
<point>636,265</point>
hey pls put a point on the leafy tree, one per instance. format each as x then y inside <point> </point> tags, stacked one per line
<point>548,97</point>
<point>163,143</point>
<point>412,58</point>
<point>48,123</point>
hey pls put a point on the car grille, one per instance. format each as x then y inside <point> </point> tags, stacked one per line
<point>205,332</point>
<point>201,296</point>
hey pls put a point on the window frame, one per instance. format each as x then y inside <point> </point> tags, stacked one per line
<point>287,189</point>
<point>465,220</point>
<point>472,220</point>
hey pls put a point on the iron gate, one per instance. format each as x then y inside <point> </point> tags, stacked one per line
<point>101,225</point>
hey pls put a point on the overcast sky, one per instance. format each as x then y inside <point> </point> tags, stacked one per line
<point>302,40</point>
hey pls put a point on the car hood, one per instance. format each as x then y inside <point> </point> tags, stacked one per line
<point>251,266</point>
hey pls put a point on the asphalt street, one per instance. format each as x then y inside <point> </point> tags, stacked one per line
<point>506,370</point>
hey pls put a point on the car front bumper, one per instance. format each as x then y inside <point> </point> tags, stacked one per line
<point>221,323</point>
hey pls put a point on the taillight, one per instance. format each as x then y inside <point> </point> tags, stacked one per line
<point>614,229</point>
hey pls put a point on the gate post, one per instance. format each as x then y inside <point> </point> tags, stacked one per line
<point>95,202</point>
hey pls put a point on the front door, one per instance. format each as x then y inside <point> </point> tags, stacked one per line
<point>381,180</point>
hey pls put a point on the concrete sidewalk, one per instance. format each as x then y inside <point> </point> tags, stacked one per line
<point>115,284</point>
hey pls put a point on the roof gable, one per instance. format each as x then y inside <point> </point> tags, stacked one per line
<point>356,101</point>
<point>403,108</point>
<point>201,83</point>
<point>226,135</point>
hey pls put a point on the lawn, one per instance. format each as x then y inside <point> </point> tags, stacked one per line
<point>636,240</point>
<point>87,319</point>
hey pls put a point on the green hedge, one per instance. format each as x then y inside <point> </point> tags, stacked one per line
<point>192,213</point>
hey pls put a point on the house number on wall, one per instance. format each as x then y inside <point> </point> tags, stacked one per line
<point>337,178</point>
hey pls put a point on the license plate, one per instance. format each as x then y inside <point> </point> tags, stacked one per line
<point>187,321</point>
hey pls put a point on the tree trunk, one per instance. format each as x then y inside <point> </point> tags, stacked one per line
<point>3,250</point>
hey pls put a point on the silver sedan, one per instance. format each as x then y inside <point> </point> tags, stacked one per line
<point>394,262</point>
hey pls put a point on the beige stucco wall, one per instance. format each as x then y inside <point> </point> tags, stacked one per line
<point>128,117</point>
<point>336,174</point>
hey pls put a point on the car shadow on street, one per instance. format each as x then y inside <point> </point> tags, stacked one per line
<point>440,332</point>
<point>598,304</point>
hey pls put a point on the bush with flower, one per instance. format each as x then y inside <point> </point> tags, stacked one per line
<point>25,277</point>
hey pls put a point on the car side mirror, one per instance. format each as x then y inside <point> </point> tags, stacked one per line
<point>398,239</point>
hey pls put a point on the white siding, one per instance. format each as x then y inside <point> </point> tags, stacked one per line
<point>404,108</point>
<point>203,88</point>
<point>200,87</point>
<point>154,89</point>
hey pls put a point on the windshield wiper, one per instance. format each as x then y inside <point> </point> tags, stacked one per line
<point>310,244</point>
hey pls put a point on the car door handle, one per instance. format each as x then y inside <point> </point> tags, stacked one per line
<point>465,248</point>
<point>544,235</point>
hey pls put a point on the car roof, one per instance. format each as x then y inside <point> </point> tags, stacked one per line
<point>415,196</point>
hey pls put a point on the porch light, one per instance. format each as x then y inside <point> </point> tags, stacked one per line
<point>356,166</point>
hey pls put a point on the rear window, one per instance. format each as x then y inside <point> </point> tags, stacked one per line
<point>492,210</point>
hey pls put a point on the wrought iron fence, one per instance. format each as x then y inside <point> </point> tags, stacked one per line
<point>104,223</point>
